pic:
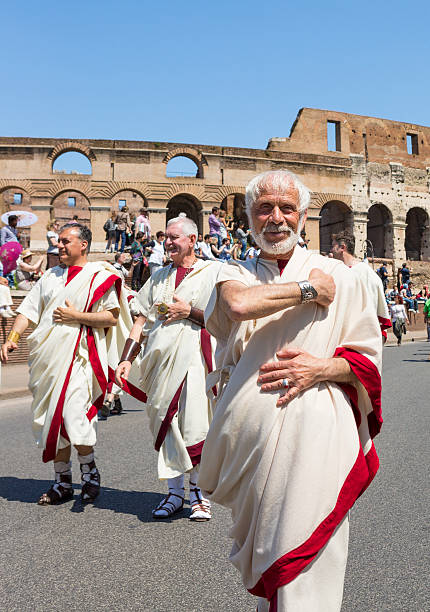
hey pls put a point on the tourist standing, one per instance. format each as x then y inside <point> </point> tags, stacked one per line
<point>242,236</point>
<point>157,258</point>
<point>110,229</point>
<point>123,226</point>
<point>142,224</point>
<point>215,224</point>
<point>52,258</point>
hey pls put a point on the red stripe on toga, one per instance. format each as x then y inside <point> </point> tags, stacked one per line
<point>367,373</point>
<point>289,566</point>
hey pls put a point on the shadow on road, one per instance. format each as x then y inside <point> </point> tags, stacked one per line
<point>137,503</point>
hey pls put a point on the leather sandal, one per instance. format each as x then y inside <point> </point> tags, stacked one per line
<point>57,494</point>
<point>117,406</point>
<point>200,508</point>
<point>168,507</point>
<point>90,479</point>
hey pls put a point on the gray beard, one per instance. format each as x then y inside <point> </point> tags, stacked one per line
<point>275,248</point>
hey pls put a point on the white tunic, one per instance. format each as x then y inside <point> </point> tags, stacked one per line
<point>174,368</point>
<point>289,475</point>
<point>65,386</point>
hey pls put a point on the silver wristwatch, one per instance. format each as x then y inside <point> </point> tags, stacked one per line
<point>308,292</point>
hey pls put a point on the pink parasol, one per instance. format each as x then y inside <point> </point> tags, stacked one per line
<point>9,253</point>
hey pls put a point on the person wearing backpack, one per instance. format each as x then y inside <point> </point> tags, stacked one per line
<point>110,229</point>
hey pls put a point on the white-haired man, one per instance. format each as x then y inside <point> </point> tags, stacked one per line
<point>290,447</point>
<point>176,360</point>
<point>79,314</point>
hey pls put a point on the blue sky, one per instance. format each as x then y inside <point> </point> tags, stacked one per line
<point>229,73</point>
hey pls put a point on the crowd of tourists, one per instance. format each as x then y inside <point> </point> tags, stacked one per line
<point>221,333</point>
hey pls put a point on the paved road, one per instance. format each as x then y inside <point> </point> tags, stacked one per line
<point>114,557</point>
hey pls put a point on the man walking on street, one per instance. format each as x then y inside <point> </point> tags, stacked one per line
<point>176,359</point>
<point>290,447</point>
<point>74,309</point>
<point>343,250</point>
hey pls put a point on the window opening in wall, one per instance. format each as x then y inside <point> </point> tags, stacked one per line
<point>17,198</point>
<point>71,202</point>
<point>182,166</point>
<point>333,136</point>
<point>72,162</point>
<point>121,204</point>
<point>412,144</point>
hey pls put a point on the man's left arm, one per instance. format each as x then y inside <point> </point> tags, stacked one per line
<point>302,371</point>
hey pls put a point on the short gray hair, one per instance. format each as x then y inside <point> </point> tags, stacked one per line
<point>84,232</point>
<point>276,181</point>
<point>188,226</point>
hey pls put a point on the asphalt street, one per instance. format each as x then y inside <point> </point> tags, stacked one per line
<point>113,556</point>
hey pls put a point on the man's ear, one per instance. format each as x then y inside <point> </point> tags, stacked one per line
<point>84,246</point>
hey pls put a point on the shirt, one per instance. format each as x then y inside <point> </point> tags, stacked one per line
<point>398,312</point>
<point>157,255</point>
<point>8,234</point>
<point>214,224</point>
<point>52,249</point>
<point>427,308</point>
<point>240,234</point>
<point>142,225</point>
<point>207,251</point>
<point>405,274</point>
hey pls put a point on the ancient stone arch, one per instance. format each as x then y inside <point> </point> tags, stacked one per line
<point>195,191</point>
<point>196,156</point>
<point>64,184</point>
<point>380,230</point>
<point>135,200</point>
<point>70,145</point>
<point>417,235</point>
<point>234,206</point>
<point>187,203</point>
<point>7,191</point>
<point>64,213</point>
<point>318,200</point>
<point>336,216</point>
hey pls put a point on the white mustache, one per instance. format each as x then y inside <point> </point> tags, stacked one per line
<point>272,227</point>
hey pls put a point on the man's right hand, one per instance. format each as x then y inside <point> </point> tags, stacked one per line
<point>122,371</point>
<point>6,348</point>
<point>324,285</point>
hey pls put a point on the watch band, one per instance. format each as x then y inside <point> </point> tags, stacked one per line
<point>308,291</point>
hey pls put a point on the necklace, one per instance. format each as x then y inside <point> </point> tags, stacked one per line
<point>168,292</point>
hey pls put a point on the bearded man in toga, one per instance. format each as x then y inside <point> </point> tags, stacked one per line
<point>297,366</point>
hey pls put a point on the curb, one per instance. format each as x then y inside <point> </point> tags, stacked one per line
<point>12,393</point>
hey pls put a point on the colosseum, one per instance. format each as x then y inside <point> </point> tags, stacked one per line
<point>370,175</point>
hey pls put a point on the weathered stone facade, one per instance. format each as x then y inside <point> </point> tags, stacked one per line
<point>369,182</point>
